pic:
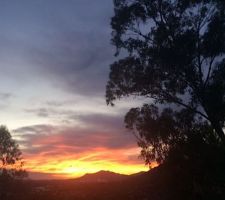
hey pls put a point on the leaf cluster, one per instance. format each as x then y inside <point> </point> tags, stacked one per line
<point>176,57</point>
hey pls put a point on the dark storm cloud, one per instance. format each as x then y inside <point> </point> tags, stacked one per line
<point>65,42</point>
<point>77,61</point>
<point>5,99</point>
<point>41,112</point>
<point>54,112</point>
<point>58,103</point>
<point>97,120</point>
<point>4,96</point>
<point>45,138</point>
<point>40,129</point>
<point>103,121</point>
<point>55,57</point>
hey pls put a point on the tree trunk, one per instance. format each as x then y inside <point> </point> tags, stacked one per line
<point>219,130</point>
<point>215,124</point>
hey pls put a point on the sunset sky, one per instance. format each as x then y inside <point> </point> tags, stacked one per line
<point>54,62</point>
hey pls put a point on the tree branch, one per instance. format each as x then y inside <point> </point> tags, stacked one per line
<point>209,71</point>
<point>176,101</point>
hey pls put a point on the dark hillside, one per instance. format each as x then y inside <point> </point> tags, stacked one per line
<point>166,182</point>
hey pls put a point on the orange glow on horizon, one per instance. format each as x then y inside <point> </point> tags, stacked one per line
<point>72,166</point>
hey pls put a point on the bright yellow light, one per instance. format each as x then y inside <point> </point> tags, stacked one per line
<point>69,170</point>
<point>67,167</point>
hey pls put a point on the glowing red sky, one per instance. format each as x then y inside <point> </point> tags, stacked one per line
<point>62,152</point>
<point>54,61</point>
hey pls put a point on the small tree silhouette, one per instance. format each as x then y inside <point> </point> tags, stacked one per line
<point>10,162</point>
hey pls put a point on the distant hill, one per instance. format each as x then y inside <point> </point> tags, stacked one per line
<point>165,182</point>
<point>137,174</point>
<point>102,176</point>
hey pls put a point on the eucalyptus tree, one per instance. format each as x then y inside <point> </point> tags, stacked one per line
<point>175,58</point>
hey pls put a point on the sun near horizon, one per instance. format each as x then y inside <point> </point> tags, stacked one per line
<point>55,62</point>
<point>67,168</point>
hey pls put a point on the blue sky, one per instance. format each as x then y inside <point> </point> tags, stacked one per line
<point>54,61</point>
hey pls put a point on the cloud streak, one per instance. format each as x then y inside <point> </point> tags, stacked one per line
<point>46,146</point>
<point>54,59</point>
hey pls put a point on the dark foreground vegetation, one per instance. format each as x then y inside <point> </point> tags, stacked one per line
<point>168,181</point>
<point>174,59</point>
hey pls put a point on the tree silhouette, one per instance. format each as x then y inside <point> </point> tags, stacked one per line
<point>10,162</point>
<point>176,59</point>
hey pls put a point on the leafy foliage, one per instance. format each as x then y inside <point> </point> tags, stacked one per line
<point>10,155</point>
<point>176,57</point>
<point>10,162</point>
